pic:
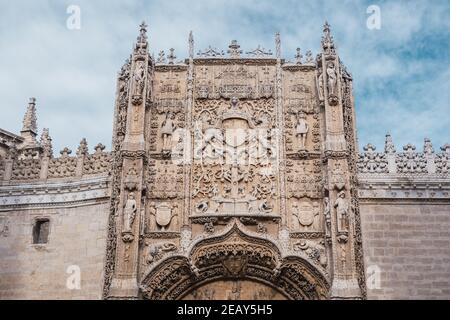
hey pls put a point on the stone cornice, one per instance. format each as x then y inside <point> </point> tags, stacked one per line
<point>54,194</point>
<point>171,67</point>
<point>242,61</point>
<point>424,187</point>
<point>298,67</point>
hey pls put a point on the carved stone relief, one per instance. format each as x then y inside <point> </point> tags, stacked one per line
<point>163,215</point>
<point>410,161</point>
<point>166,118</point>
<point>99,162</point>
<point>315,250</point>
<point>165,179</point>
<point>304,179</point>
<point>64,166</point>
<point>156,251</point>
<point>371,161</point>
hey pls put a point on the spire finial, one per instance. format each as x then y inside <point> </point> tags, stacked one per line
<point>142,32</point>
<point>171,57</point>
<point>30,120</point>
<point>298,56</point>
<point>191,45</point>
<point>46,143</point>
<point>83,148</point>
<point>278,45</point>
<point>142,44</point>
<point>327,40</point>
<point>389,146</point>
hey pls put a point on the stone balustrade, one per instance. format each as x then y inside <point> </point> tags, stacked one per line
<point>36,165</point>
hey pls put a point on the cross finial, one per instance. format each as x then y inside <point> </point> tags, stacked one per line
<point>326,27</point>
<point>143,30</point>
<point>171,57</point>
<point>30,119</point>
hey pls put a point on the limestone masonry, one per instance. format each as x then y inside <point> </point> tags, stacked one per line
<point>232,175</point>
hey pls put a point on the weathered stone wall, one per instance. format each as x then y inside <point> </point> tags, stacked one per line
<point>410,243</point>
<point>77,237</point>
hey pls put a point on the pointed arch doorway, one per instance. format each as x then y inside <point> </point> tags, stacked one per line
<point>235,266</point>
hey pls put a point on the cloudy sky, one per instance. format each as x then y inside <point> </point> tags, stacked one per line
<point>401,72</point>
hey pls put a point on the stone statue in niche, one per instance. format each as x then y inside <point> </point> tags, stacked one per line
<point>342,208</point>
<point>167,129</point>
<point>129,213</point>
<point>320,86</point>
<point>327,214</point>
<point>139,82</point>
<point>302,130</point>
<point>332,79</point>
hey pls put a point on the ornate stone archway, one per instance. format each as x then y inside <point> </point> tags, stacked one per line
<point>234,257</point>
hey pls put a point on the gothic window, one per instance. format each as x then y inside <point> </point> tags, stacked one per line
<point>41,230</point>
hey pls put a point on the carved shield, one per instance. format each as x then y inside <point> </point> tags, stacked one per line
<point>163,215</point>
<point>306,216</point>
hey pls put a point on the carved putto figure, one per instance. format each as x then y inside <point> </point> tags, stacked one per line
<point>332,78</point>
<point>129,213</point>
<point>167,129</point>
<point>302,130</point>
<point>342,208</point>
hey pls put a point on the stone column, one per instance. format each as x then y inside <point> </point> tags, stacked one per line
<point>342,243</point>
<point>124,284</point>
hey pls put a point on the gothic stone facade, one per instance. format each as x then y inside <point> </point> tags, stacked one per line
<point>231,176</point>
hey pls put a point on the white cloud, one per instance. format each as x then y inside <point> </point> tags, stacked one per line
<point>72,73</point>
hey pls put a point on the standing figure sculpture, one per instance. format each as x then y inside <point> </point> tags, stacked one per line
<point>129,213</point>
<point>139,76</point>
<point>342,207</point>
<point>327,214</point>
<point>167,130</point>
<point>302,130</point>
<point>332,78</point>
<point>320,86</point>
